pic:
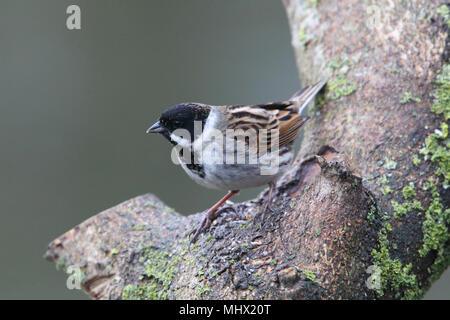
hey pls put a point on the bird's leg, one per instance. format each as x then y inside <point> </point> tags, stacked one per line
<point>211,215</point>
<point>267,203</point>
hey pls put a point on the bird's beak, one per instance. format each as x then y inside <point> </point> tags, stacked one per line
<point>156,128</point>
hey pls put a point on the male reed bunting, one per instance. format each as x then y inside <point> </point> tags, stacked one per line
<point>234,147</point>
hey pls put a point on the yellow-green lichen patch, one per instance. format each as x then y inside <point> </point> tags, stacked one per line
<point>149,204</point>
<point>437,144</point>
<point>409,191</point>
<point>160,269</point>
<point>390,164</point>
<point>340,86</point>
<point>310,275</point>
<point>60,265</point>
<point>139,227</point>
<point>408,97</point>
<point>371,214</point>
<point>172,210</point>
<point>383,180</point>
<point>394,69</point>
<point>386,190</point>
<point>141,292</point>
<point>416,160</point>
<point>401,209</point>
<point>444,11</point>
<point>437,150</point>
<point>372,210</point>
<point>342,64</point>
<point>394,277</point>
<point>435,231</point>
<point>202,290</point>
<point>417,205</point>
<point>442,94</point>
<point>435,227</point>
<point>302,38</point>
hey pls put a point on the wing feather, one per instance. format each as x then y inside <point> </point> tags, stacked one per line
<point>272,116</point>
<point>283,116</point>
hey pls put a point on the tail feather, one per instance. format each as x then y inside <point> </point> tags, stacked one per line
<point>303,97</point>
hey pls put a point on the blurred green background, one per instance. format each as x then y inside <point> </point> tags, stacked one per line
<point>75,106</point>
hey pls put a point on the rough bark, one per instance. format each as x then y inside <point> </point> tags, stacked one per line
<point>379,201</point>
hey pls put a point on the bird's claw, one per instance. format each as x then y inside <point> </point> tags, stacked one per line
<point>262,214</point>
<point>206,223</point>
<point>202,226</point>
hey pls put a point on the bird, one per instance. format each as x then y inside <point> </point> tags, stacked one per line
<point>234,147</point>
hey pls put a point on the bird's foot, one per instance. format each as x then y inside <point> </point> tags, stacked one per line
<point>207,220</point>
<point>202,226</point>
<point>267,206</point>
<point>211,215</point>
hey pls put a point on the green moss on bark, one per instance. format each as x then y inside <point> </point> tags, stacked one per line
<point>435,232</point>
<point>444,12</point>
<point>435,228</point>
<point>160,269</point>
<point>394,277</point>
<point>409,191</point>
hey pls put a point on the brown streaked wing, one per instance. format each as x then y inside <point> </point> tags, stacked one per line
<point>275,115</point>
